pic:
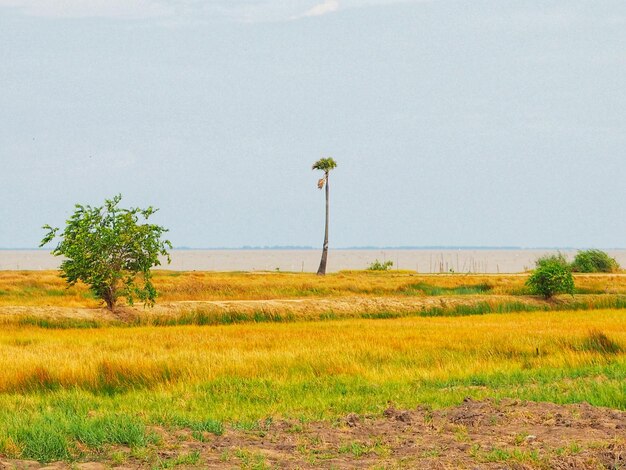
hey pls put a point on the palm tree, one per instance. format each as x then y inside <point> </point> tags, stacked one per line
<point>324,164</point>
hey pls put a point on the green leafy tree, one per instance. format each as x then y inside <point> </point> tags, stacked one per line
<point>594,261</point>
<point>112,250</point>
<point>551,277</point>
<point>325,165</point>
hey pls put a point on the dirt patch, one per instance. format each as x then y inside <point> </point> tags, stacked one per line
<point>481,434</point>
<point>476,434</point>
<point>344,305</point>
<point>52,312</point>
<point>308,308</point>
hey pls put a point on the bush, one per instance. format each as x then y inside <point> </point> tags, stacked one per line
<point>594,261</point>
<point>551,277</point>
<point>378,266</point>
<point>559,259</point>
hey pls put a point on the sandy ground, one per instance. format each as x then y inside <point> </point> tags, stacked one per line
<point>474,435</point>
<point>423,261</point>
<point>339,305</point>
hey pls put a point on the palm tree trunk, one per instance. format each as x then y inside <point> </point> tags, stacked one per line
<point>322,269</point>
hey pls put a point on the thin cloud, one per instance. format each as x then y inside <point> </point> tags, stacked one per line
<point>90,8</point>
<point>328,6</point>
<point>247,11</point>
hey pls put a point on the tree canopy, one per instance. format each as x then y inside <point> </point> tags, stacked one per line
<point>112,250</point>
<point>325,164</point>
<point>551,277</point>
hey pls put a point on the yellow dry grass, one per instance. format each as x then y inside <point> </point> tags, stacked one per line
<point>109,380</point>
<point>46,288</point>
<point>390,351</point>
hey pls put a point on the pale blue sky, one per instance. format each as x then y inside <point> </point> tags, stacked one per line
<point>453,122</point>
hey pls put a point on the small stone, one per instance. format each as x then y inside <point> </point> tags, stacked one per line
<point>352,420</point>
<point>21,464</point>
<point>91,466</point>
<point>404,416</point>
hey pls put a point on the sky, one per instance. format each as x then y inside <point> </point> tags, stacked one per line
<point>453,123</point>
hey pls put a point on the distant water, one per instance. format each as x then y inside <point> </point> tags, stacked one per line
<point>423,261</point>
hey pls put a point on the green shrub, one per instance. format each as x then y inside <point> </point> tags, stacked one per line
<point>558,258</point>
<point>378,266</point>
<point>551,277</point>
<point>594,261</point>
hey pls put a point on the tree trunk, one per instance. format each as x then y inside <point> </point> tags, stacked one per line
<point>110,303</point>
<point>322,269</point>
<point>109,298</point>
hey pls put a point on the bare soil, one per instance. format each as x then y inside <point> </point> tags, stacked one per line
<point>344,305</point>
<point>475,435</point>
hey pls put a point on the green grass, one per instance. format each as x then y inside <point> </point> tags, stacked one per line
<point>356,449</point>
<point>47,426</point>
<point>63,323</point>
<point>57,434</point>
<point>205,425</point>
<point>421,288</point>
<point>506,455</point>
<point>77,394</point>
<point>191,458</point>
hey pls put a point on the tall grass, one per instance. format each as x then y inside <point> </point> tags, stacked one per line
<point>30,288</point>
<point>74,387</point>
<point>68,393</point>
<point>422,288</point>
<point>207,315</point>
<point>114,361</point>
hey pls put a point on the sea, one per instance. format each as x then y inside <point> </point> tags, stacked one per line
<point>430,260</point>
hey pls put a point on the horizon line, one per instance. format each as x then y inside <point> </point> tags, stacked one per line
<point>364,248</point>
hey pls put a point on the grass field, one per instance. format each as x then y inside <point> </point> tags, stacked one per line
<point>111,392</point>
<point>39,288</point>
